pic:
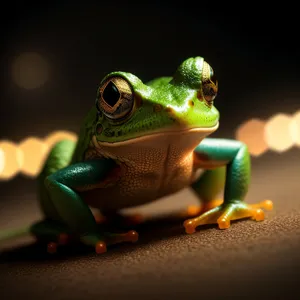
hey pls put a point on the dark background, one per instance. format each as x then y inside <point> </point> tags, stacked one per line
<point>252,47</point>
<point>253,50</point>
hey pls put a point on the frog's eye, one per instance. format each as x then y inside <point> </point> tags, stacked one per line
<point>115,98</point>
<point>209,83</point>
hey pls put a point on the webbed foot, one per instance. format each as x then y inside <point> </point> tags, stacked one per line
<point>108,239</point>
<point>56,235</point>
<point>196,210</point>
<point>225,213</point>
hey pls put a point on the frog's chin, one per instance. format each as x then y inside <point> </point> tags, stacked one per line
<point>177,133</point>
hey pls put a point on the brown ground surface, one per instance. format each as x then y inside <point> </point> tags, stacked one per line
<point>248,261</point>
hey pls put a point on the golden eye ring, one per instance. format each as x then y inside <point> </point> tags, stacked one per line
<point>209,83</point>
<point>115,98</point>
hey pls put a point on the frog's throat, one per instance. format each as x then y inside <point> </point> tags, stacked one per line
<point>203,132</point>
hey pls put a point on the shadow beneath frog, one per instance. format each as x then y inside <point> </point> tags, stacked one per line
<point>150,231</point>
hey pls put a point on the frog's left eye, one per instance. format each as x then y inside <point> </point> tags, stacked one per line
<point>115,98</point>
<point>209,83</point>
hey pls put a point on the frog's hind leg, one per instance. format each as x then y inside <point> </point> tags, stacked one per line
<point>49,229</point>
<point>65,188</point>
<point>59,157</point>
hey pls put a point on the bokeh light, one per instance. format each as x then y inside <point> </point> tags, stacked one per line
<point>11,160</point>
<point>30,70</point>
<point>57,136</point>
<point>252,134</point>
<point>28,157</point>
<point>295,128</point>
<point>34,153</point>
<point>277,133</point>
<point>2,160</point>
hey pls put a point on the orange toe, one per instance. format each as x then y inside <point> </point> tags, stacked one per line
<point>189,226</point>
<point>100,248</point>
<point>52,248</point>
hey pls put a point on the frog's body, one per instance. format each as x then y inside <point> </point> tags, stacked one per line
<point>151,167</point>
<point>141,142</point>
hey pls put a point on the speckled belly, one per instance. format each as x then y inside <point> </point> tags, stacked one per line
<point>151,169</point>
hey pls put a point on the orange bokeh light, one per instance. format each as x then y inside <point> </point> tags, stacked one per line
<point>295,128</point>
<point>30,70</point>
<point>34,152</point>
<point>11,160</point>
<point>277,133</point>
<point>28,157</point>
<point>252,134</point>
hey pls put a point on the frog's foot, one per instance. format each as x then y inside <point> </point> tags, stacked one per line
<point>53,233</point>
<point>196,210</point>
<point>99,243</point>
<point>56,235</point>
<point>120,219</point>
<point>108,239</point>
<point>225,213</point>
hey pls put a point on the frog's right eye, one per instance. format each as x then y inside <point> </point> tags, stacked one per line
<point>115,98</point>
<point>209,83</point>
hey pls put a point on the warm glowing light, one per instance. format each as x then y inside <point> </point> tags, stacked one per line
<point>277,133</point>
<point>295,128</point>
<point>10,160</point>
<point>57,136</point>
<point>2,160</point>
<point>34,153</point>
<point>30,155</point>
<point>30,70</point>
<point>252,134</point>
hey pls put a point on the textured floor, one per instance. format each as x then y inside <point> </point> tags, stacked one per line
<point>249,261</point>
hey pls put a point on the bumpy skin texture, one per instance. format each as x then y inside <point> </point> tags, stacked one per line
<point>141,142</point>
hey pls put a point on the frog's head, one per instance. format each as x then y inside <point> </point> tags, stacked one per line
<point>129,109</point>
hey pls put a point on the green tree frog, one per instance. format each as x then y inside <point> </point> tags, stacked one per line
<point>139,143</point>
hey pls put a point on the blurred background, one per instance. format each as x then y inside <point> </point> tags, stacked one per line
<point>54,54</point>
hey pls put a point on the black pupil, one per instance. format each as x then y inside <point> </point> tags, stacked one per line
<point>111,94</point>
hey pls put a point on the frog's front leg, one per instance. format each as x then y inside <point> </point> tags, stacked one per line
<point>207,187</point>
<point>63,189</point>
<point>234,155</point>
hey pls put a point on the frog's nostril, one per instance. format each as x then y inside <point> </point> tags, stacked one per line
<point>157,108</point>
<point>191,103</point>
<point>99,129</point>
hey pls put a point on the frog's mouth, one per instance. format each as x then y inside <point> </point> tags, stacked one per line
<point>195,133</point>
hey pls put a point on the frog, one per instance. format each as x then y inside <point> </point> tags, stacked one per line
<point>139,143</point>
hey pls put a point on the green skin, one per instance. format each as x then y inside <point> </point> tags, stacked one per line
<point>66,170</point>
